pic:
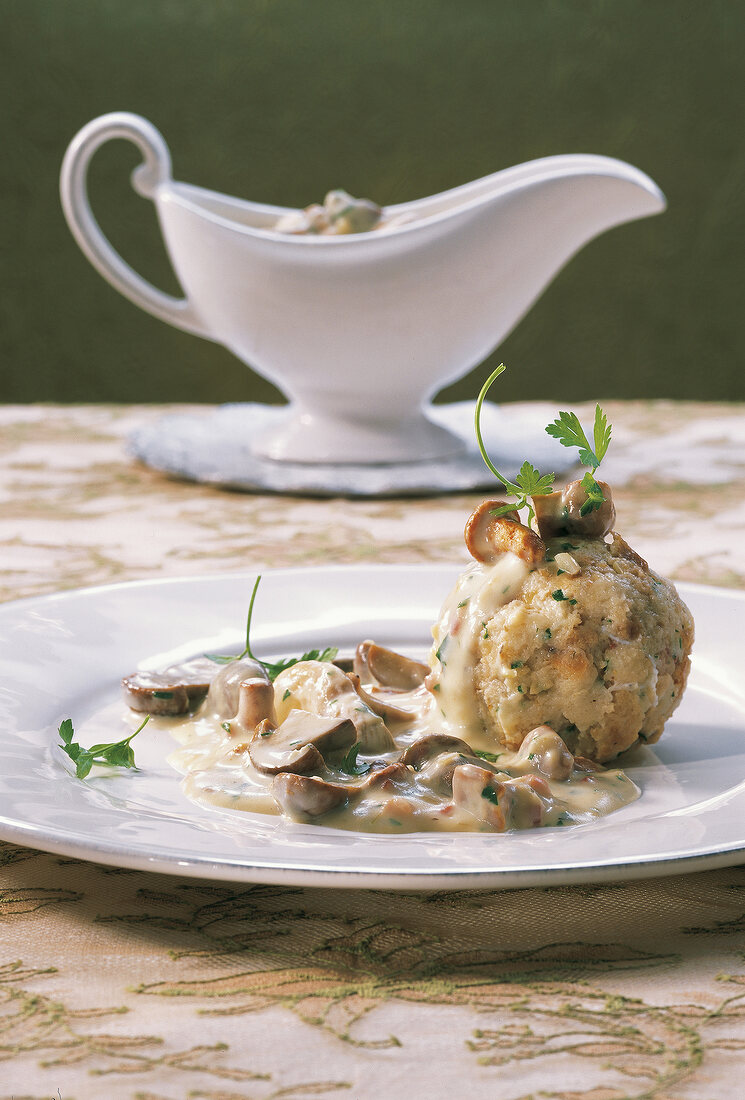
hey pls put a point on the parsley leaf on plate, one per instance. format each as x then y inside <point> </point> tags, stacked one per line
<point>114,754</point>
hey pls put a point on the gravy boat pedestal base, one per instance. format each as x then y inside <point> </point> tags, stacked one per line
<point>215,448</point>
<point>320,437</point>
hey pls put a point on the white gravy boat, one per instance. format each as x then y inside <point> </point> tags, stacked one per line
<point>359,331</point>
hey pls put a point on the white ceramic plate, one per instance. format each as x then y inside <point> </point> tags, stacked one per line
<point>62,656</point>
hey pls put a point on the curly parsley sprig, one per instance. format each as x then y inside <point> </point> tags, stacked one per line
<point>116,754</point>
<point>528,482</point>
<point>272,668</point>
<point>570,433</point>
<point>350,765</point>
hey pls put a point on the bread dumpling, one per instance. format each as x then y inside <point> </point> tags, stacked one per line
<point>572,632</point>
<point>602,657</point>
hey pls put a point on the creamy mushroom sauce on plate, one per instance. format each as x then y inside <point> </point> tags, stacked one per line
<point>557,650</point>
<point>371,743</point>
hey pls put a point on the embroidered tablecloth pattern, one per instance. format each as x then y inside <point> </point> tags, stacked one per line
<point>133,986</point>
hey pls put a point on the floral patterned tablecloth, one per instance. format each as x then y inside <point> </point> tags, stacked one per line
<point>133,986</point>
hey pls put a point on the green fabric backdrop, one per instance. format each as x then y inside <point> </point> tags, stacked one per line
<point>278,100</point>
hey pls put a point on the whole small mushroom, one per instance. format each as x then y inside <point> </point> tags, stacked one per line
<point>255,705</point>
<point>385,710</point>
<point>546,753</point>
<point>306,795</point>
<point>596,522</point>
<point>433,744</point>
<point>550,514</point>
<point>224,694</point>
<point>488,535</point>
<point>561,513</point>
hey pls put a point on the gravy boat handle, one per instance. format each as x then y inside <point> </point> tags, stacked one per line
<point>154,172</point>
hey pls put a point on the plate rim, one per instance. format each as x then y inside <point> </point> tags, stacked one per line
<point>236,869</point>
<point>229,869</point>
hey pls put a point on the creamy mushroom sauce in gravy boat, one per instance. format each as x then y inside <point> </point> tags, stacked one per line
<point>367,744</point>
<point>338,215</point>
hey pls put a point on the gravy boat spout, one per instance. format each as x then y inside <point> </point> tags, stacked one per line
<point>360,331</point>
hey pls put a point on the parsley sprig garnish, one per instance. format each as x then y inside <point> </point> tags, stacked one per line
<point>350,764</point>
<point>116,754</point>
<point>528,482</point>
<point>570,433</point>
<point>272,668</point>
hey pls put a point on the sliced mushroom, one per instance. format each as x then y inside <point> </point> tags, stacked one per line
<point>372,732</point>
<point>300,743</point>
<point>255,705</point>
<point>387,711</point>
<point>170,692</point>
<point>437,773</point>
<point>433,744</point>
<point>307,796</point>
<point>299,760</point>
<point>480,793</point>
<point>545,751</point>
<point>487,536</point>
<point>501,801</point>
<point>388,668</point>
<point>224,693</point>
<point>197,673</point>
<point>396,814</point>
<point>530,799</point>
<point>323,689</point>
<point>154,693</point>
<point>596,523</point>
<point>388,777</point>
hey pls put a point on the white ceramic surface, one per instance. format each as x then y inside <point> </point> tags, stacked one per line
<point>62,656</point>
<point>359,331</point>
